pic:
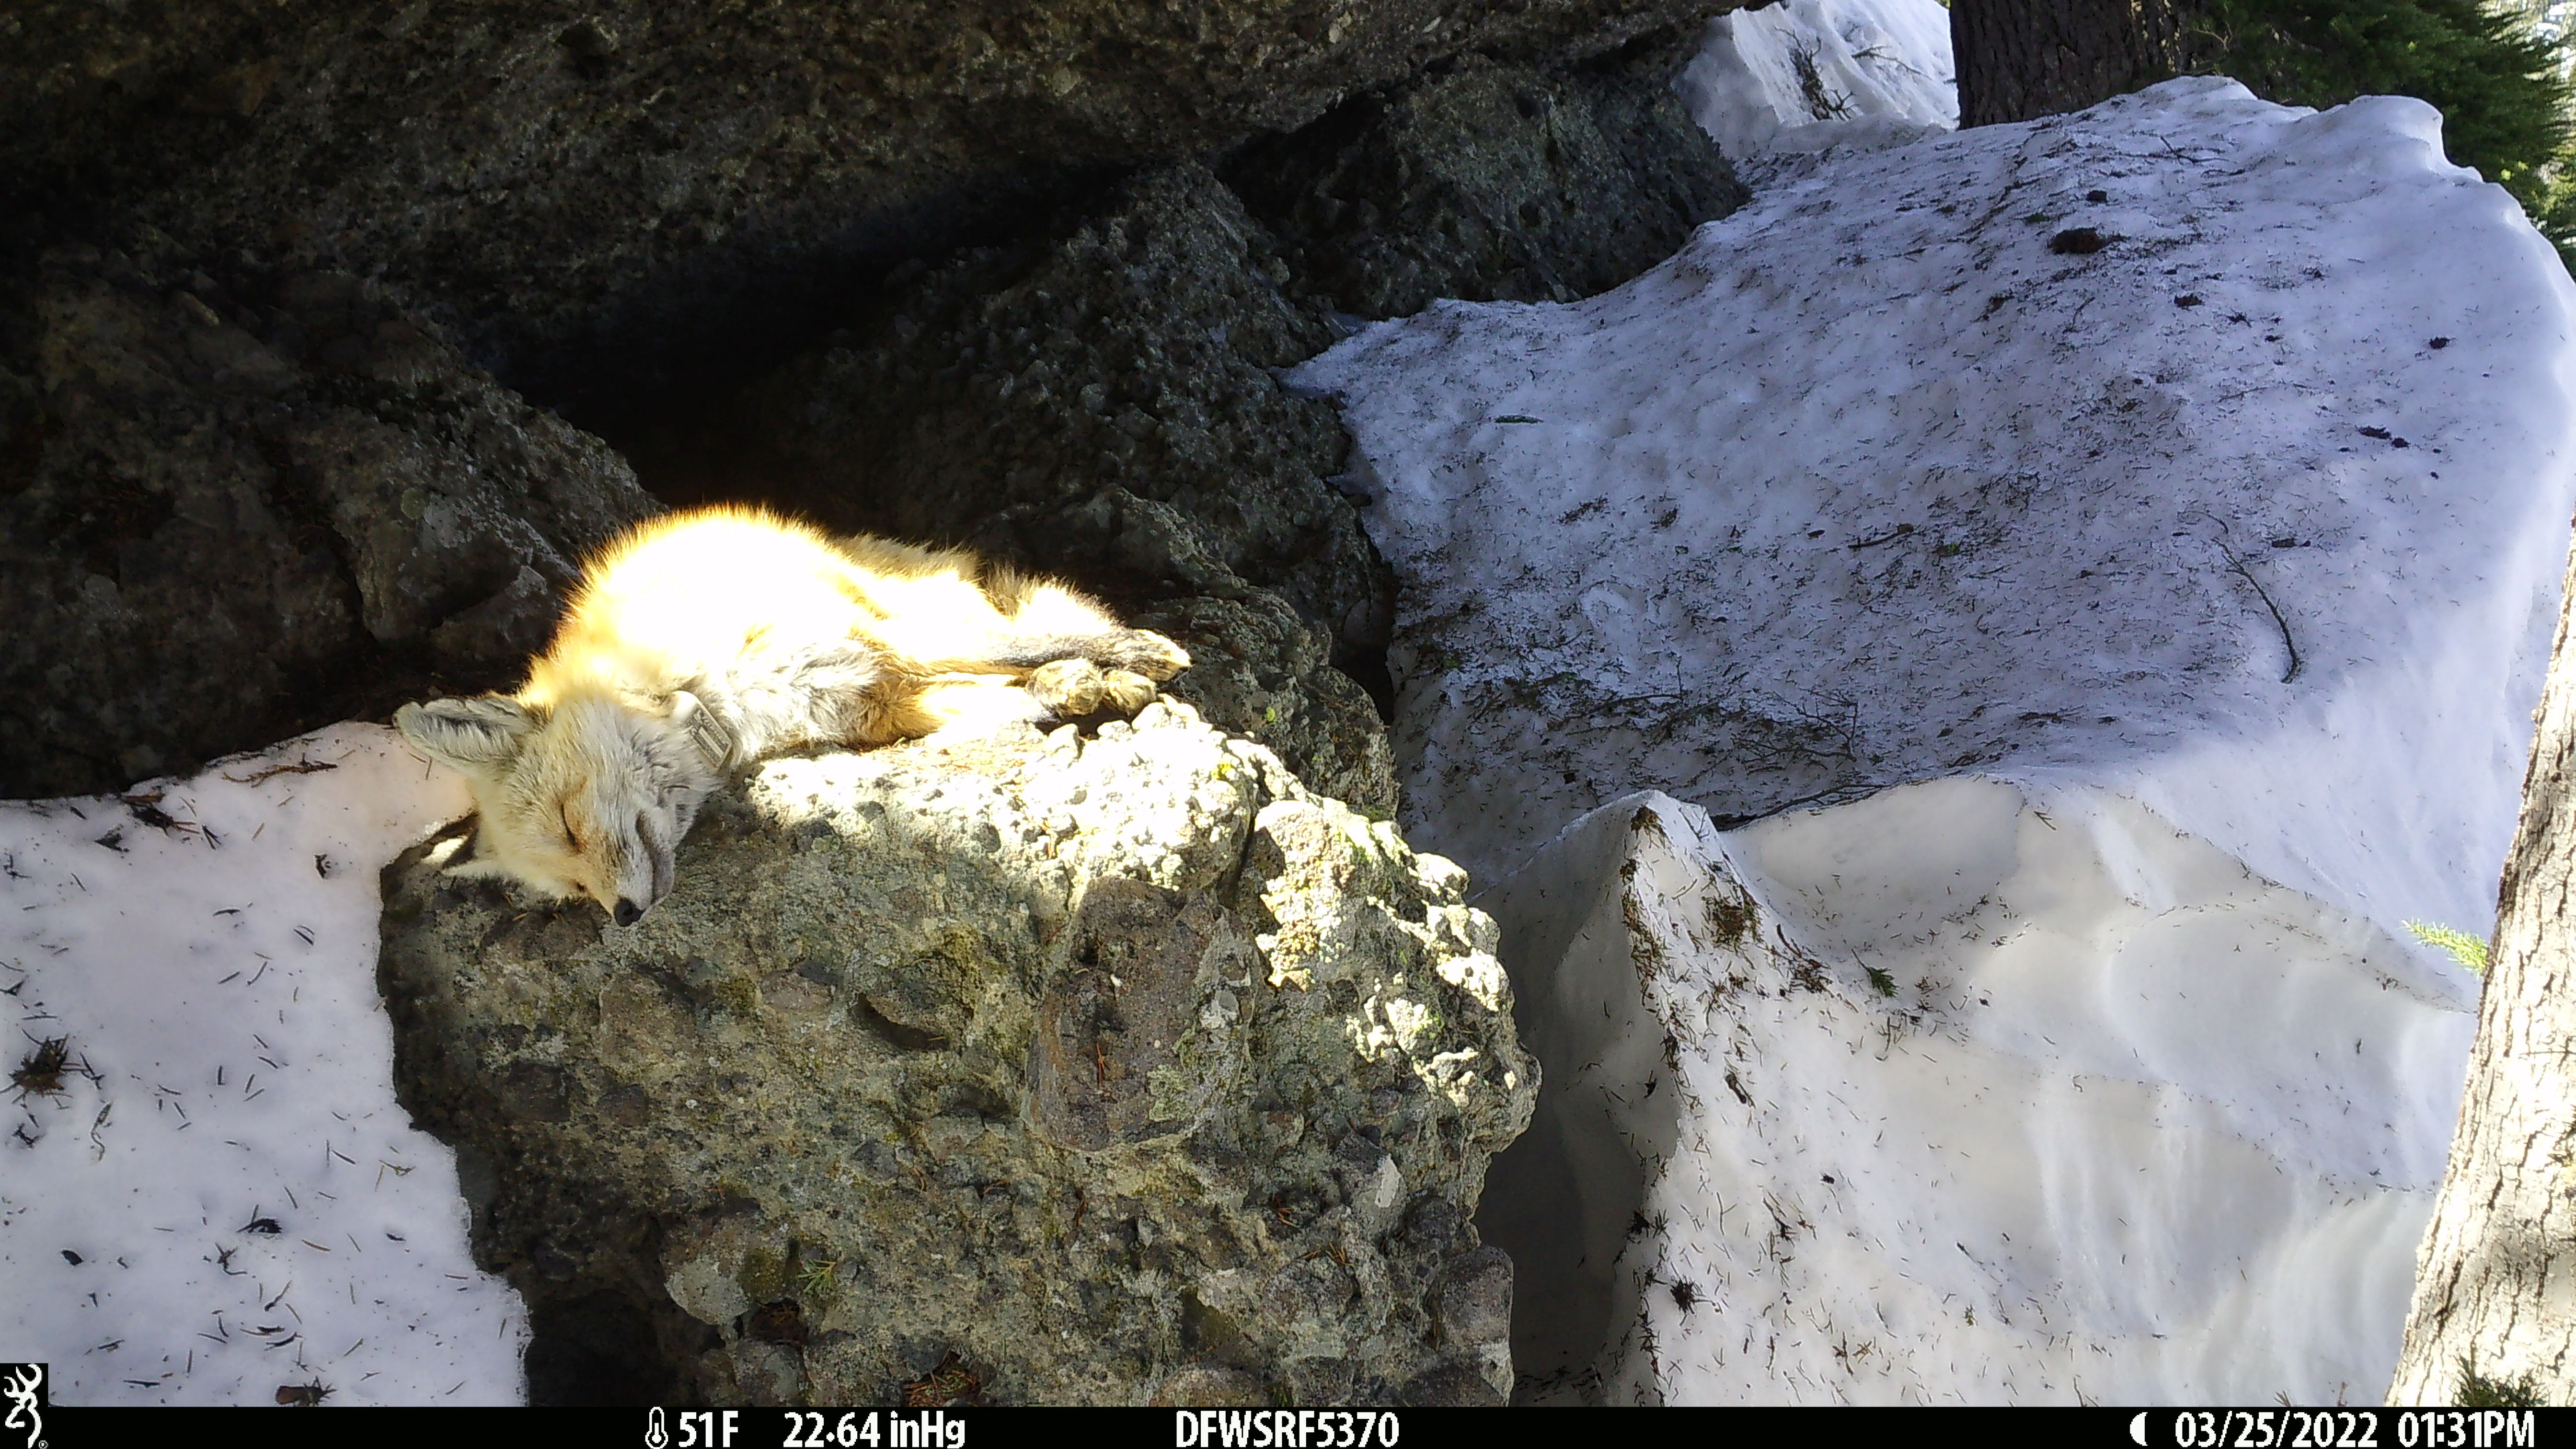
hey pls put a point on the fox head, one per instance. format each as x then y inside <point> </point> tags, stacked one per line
<point>587,798</point>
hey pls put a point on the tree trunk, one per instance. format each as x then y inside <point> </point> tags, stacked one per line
<point>2495,1282</point>
<point>2023,58</point>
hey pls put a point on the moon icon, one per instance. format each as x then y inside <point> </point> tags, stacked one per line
<point>2138,1429</point>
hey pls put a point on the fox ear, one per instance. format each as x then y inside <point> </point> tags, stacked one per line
<point>479,737</point>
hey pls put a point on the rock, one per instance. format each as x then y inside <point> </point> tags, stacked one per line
<point>592,193</point>
<point>1491,182</point>
<point>232,510</point>
<point>1212,1388</point>
<point>1096,401</point>
<point>1027,398</point>
<point>1476,1303</point>
<point>1026,1069</point>
<point>1257,669</point>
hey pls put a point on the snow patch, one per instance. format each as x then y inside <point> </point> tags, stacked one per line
<point>223,1198</point>
<point>2243,487</point>
<point>1959,1093</point>
<point>1803,75</point>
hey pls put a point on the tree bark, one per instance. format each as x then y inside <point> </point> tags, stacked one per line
<point>2023,58</point>
<point>2495,1281</point>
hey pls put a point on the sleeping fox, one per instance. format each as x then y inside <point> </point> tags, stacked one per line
<point>702,641</point>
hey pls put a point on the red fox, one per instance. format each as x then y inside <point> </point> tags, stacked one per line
<point>704,640</point>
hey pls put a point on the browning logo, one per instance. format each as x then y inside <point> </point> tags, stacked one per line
<point>22,1388</point>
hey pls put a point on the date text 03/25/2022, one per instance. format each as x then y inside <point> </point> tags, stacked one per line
<point>2338,1429</point>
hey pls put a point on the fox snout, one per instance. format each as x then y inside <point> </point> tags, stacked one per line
<point>645,874</point>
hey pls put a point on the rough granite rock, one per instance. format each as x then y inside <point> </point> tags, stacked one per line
<point>1258,669</point>
<point>1491,182</point>
<point>1020,1069</point>
<point>589,192</point>
<point>235,509</point>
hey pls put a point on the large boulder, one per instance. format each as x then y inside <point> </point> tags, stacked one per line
<point>234,508</point>
<point>1030,1069</point>
<point>1094,399</point>
<point>624,183</point>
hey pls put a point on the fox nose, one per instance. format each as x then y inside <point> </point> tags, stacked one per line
<point>627,912</point>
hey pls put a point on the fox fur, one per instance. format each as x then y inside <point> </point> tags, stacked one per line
<point>705,640</point>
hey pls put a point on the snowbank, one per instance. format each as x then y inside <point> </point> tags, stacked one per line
<point>223,1197</point>
<point>1802,75</point>
<point>2114,1119</point>
<point>1892,475</point>
<point>2189,453</point>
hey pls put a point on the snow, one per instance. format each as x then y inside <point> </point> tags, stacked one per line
<point>248,1205</point>
<point>2191,472</point>
<point>2116,1122</point>
<point>1869,484</point>
<point>1803,75</point>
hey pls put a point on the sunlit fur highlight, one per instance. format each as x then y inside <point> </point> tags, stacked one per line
<point>702,641</point>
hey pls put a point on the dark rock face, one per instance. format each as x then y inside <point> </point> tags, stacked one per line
<point>1026,1070</point>
<point>626,206</point>
<point>232,511</point>
<point>1490,182</point>
<point>615,182</point>
<point>1014,387</point>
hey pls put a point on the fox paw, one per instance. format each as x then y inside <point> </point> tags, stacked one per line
<point>1123,692</point>
<point>1069,688</point>
<point>1149,654</point>
<point>1080,689</point>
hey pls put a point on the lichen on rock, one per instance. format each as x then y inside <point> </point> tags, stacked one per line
<point>1110,1070</point>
